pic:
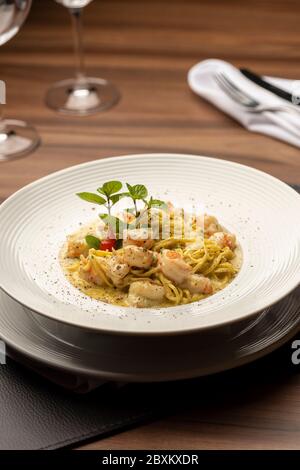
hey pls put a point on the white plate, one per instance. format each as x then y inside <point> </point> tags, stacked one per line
<point>157,358</point>
<point>262,211</point>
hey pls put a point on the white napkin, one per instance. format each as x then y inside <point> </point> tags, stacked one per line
<point>281,125</point>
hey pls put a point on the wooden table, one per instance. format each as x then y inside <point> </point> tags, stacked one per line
<point>146,48</point>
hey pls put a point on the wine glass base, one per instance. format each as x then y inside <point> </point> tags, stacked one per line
<point>17,139</point>
<point>79,97</point>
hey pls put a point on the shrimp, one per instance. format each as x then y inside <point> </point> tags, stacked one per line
<point>89,272</point>
<point>117,271</point>
<point>173,266</point>
<point>137,256</point>
<point>76,247</point>
<point>210,224</point>
<point>145,294</point>
<point>198,284</point>
<point>224,239</point>
<point>141,237</point>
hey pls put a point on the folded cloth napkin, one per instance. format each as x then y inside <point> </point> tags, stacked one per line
<point>282,125</point>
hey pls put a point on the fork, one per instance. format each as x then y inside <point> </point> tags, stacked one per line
<point>241,97</point>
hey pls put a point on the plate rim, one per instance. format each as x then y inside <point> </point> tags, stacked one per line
<point>119,332</point>
<point>140,155</point>
<point>193,373</point>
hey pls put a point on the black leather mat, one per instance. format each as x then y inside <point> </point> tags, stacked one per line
<point>36,414</point>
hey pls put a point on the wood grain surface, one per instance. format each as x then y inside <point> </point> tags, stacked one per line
<point>146,48</point>
<point>254,407</point>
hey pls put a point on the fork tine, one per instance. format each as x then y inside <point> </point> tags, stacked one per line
<point>227,90</point>
<point>228,86</point>
<point>236,89</point>
<point>245,100</point>
<point>233,91</point>
<point>229,82</point>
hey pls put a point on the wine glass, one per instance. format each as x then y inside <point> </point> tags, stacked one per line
<point>81,95</point>
<point>17,138</point>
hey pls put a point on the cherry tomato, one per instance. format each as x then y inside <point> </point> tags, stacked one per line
<point>108,244</point>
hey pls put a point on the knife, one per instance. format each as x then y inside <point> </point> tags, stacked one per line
<point>267,86</point>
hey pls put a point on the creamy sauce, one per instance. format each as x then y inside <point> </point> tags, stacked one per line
<point>113,295</point>
<point>106,294</point>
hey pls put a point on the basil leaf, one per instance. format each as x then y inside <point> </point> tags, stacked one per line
<point>130,188</point>
<point>116,197</point>
<point>141,191</point>
<point>93,242</point>
<point>100,190</point>
<point>91,197</point>
<point>138,191</point>
<point>111,187</point>
<point>157,202</point>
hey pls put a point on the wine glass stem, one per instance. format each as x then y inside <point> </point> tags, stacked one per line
<point>2,123</point>
<point>76,14</point>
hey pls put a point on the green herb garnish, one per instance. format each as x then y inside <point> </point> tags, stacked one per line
<point>111,195</point>
<point>91,197</point>
<point>93,242</point>
<point>109,190</point>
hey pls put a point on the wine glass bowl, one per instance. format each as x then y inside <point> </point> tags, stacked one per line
<point>17,138</point>
<point>81,95</point>
<point>74,3</point>
<point>12,16</point>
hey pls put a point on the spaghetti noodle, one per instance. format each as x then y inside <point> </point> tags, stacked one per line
<point>148,272</point>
